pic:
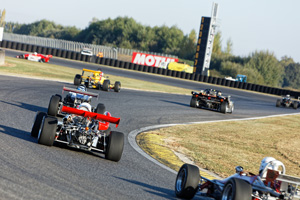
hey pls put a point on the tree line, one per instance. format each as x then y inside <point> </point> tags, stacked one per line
<point>261,67</point>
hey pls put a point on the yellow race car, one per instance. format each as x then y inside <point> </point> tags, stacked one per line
<point>96,80</point>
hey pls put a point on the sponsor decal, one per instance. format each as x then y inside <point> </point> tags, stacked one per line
<point>151,60</point>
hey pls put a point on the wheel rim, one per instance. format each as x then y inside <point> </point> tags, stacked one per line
<point>227,193</point>
<point>180,180</point>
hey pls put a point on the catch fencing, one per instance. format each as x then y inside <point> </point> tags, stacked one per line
<point>108,52</point>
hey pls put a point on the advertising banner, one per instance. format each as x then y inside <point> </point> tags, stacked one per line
<point>151,60</point>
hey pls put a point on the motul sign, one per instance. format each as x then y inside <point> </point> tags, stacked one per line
<point>151,60</point>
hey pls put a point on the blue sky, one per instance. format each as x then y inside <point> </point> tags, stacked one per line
<point>251,25</point>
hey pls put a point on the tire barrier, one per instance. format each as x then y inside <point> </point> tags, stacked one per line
<point>116,63</point>
<point>182,75</point>
<point>128,65</point>
<point>131,65</point>
<point>160,71</point>
<point>19,46</point>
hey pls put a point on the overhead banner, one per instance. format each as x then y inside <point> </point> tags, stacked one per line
<point>151,60</point>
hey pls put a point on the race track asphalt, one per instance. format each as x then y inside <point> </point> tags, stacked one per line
<point>33,171</point>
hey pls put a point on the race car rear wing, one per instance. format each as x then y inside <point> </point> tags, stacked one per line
<point>91,115</point>
<point>80,92</point>
<point>89,70</point>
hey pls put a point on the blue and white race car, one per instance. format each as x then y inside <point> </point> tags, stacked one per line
<point>73,99</point>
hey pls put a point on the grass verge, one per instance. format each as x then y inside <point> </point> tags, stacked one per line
<point>220,146</point>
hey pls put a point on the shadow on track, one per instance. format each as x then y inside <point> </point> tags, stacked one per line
<point>158,191</point>
<point>26,106</point>
<point>177,103</point>
<point>17,133</point>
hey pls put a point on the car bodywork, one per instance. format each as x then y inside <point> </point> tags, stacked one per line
<point>213,100</point>
<point>73,99</point>
<point>240,186</point>
<point>287,102</point>
<point>96,80</point>
<point>80,129</point>
<point>36,57</point>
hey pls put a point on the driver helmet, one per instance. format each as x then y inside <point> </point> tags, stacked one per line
<point>288,96</point>
<point>35,53</point>
<point>85,106</point>
<point>107,113</point>
<point>271,163</point>
<point>81,88</point>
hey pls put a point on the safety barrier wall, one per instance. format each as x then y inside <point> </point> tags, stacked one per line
<point>142,68</point>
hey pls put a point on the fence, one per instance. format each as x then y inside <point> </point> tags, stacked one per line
<point>108,52</point>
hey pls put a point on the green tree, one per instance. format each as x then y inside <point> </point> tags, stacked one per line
<point>267,65</point>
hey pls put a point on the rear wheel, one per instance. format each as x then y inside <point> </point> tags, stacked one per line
<point>187,181</point>
<point>106,84</point>
<point>47,131</point>
<point>117,87</point>
<point>237,189</point>
<point>278,103</point>
<point>193,102</point>
<point>100,108</point>
<point>224,105</point>
<point>295,104</point>
<point>37,123</point>
<point>115,146</point>
<point>53,105</point>
<point>77,79</point>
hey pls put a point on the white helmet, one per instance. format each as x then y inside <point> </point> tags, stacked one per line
<point>270,163</point>
<point>85,106</point>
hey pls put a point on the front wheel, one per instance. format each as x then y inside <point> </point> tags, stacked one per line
<point>115,146</point>
<point>47,131</point>
<point>187,181</point>
<point>53,105</point>
<point>117,87</point>
<point>237,189</point>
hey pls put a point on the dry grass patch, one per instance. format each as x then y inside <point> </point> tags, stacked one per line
<point>221,146</point>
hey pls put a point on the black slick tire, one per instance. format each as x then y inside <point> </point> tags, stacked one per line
<point>53,105</point>
<point>278,103</point>
<point>237,189</point>
<point>187,181</point>
<point>295,104</point>
<point>106,84</point>
<point>117,87</point>
<point>100,108</point>
<point>193,102</point>
<point>115,146</point>
<point>223,107</point>
<point>37,123</point>
<point>47,131</point>
<point>77,79</point>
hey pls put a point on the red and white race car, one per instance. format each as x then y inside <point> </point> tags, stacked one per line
<point>36,57</point>
<point>270,184</point>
